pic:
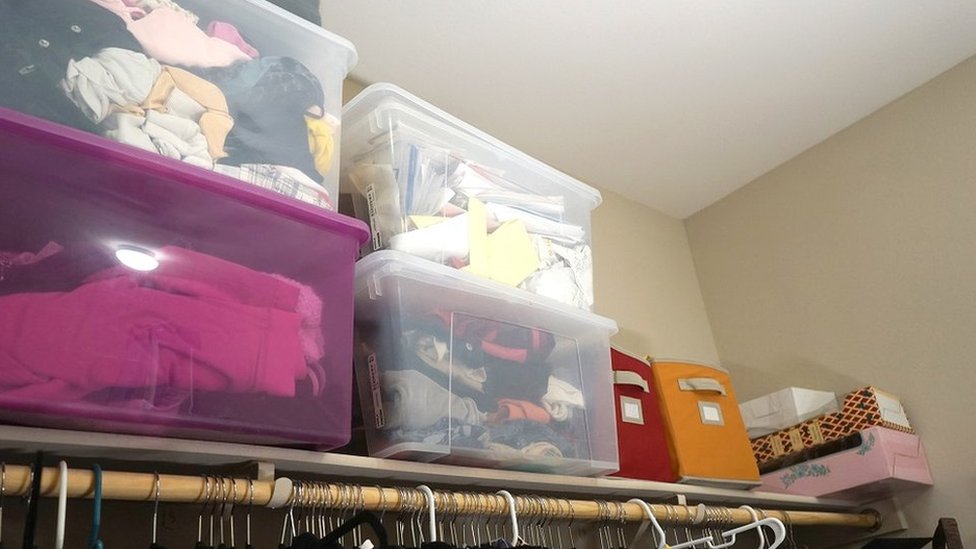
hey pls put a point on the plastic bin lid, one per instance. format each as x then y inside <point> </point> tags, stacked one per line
<point>352,56</point>
<point>378,265</point>
<point>45,138</point>
<point>384,95</point>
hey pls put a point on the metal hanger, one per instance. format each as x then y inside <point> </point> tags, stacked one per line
<point>247,521</point>
<point>289,519</point>
<point>398,524</point>
<point>3,492</point>
<point>569,528</point>
<point>222,513</point>
<point>206,503</point>
<point>153,544</point>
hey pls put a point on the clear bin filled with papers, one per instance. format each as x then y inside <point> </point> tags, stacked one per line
<point>433,186</point>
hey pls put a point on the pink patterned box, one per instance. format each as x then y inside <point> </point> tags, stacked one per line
<point>882,462</point>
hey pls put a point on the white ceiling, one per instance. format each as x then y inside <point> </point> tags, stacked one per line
<point>674,104</point>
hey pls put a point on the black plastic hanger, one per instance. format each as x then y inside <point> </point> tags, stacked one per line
<point>30,524</point>
<point>94,541</point>
<point>363,517</point>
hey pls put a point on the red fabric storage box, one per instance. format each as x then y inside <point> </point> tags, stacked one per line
<point>641,434</point>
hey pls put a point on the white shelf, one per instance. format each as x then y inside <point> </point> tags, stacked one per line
<point>375,470</point>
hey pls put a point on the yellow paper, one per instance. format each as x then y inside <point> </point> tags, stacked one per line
<point>479,261</point>
<point>424,221</point>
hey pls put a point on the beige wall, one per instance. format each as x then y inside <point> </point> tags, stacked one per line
<point>350,88</point>
<point>855,264</point>
<point>644,278</point>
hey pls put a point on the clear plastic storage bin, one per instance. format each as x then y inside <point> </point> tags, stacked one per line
<point>435,187</point>
<point>457,369</point>
<point>144,296</point>
<point>237,86</point>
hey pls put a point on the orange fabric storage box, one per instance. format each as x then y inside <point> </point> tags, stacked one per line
<point>707,438</point>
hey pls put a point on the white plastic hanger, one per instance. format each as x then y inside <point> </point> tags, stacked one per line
<point>652,521</point>
<point>775,525</point>
<point>62,504</point>
<point>516,540</point>
<point>755,516</point>
<point>431,511</point>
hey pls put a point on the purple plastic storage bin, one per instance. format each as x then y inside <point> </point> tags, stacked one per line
<point>147,296</point>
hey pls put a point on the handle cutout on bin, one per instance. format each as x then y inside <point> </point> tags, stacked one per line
<point>630,378</point>
<point>701,384</point>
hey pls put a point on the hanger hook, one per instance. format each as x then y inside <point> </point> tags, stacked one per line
<point>206,501</point>
<point>250,503</point>
<point>233,507</point>
<point>649,518</point>
<point>3,492</point>
<point>156,491</point>
<point>431,511</point>
<point>93,541</point>
<point>511,514</point>
<point>223,507</point>
<point>62,504</point>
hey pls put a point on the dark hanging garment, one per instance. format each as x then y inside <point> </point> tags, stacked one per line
<point>946,537</point>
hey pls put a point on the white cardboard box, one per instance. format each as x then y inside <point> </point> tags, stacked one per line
<point>786,407</point>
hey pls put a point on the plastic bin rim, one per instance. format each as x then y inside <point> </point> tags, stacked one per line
<point>352,56</point>
<point>380,88</point>
<point>63,137</point>
<point>396,263</point>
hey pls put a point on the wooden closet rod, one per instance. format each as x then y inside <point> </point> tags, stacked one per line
<point>117,485</point>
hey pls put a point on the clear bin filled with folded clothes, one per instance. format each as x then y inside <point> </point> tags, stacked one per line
<point>241,87</point>
<point>457,369</point>
<point>436,187</point>
<point>144,296</point>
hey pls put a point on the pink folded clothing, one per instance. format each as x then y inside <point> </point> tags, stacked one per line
<point>116,333</point>
<point>196,322</point>
<point>229,33</point>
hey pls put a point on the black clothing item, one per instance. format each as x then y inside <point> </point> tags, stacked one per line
<point>39,38</point>
<point>512,380</point>
<point>268,98</point>
<point>946,537</point>
<point>306,9</point>
<point>520,433</point>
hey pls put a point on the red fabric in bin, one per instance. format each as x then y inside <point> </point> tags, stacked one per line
<point>643,448</point>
